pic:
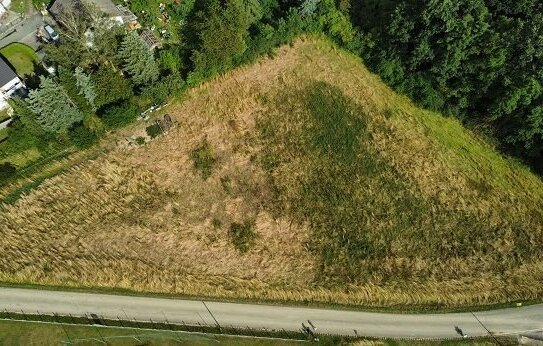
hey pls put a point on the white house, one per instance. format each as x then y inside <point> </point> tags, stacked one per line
<point>9,83</point>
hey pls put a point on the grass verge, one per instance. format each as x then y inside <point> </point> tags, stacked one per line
<point>50,333</point>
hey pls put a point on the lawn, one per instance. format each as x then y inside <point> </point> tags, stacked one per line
<point>21,57</point>
<point>3,135</point>
<point>33,333</point>
<point>4,115</point>
<point>302,178</point>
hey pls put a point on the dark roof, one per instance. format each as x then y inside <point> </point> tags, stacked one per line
<point>6,73</point>
<point>105,6</point>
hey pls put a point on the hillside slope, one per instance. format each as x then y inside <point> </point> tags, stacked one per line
<point>300,178</point>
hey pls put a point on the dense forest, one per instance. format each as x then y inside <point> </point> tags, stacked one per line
<point>478,60</point>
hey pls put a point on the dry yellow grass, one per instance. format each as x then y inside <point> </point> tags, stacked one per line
<point>142,218</point>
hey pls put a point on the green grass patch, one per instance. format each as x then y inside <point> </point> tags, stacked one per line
<point>4,115</point>
<point>3,135</point>
<point>242,235</point>
<point>35,333</point>
<point>22,57</point>
<point>362,211</point>
<point>204,159</point>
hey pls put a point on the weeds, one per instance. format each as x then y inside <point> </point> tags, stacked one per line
<point>242,235</point>
<point>204,159</point>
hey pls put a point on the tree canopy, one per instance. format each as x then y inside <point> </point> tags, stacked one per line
<point>54,110</point>
<point>481,60</point>
<point>138,60</point>
<point>217,31</point>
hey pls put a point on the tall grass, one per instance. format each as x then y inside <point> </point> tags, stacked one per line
<point>357,198</point>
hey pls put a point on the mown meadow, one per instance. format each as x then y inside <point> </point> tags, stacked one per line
<point>301,178</point>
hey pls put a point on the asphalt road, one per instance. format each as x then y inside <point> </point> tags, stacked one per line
<point>513,320</point>
<point>25,32</point>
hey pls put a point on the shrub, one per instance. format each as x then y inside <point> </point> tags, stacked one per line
<point>82,137</point>
<point>160,91</point>
<point>204,159</point>
<point>118,116</point>
<point>242,235</point>
<point>153,130</point>
<point>140,140</point>
<point>110,86</point>
<point>7,170</point>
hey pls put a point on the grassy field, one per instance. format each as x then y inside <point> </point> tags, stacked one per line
<point>31,333</point>
<point>302,178</point>
<point>21,57</point>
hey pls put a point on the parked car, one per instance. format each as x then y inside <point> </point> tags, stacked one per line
<point>51,33</point>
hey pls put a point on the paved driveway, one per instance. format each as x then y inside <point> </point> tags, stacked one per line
<point>25,32</point>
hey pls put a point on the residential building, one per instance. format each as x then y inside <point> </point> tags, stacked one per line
<point>9,83</point>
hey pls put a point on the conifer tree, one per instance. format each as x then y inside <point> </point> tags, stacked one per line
<point>86,87</point>
<point>138,60</point>
<point>54,110</point>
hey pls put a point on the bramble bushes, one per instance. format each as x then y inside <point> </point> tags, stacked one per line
<point>119,116</point>
<point>82,136</point>
<point>7,170</point>
<point>153,130</point>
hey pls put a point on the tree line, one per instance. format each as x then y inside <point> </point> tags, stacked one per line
<point>478,60</point>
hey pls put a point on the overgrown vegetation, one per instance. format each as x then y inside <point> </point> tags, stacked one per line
<point>480,60</point>
<point>102,67</point>
<point>357,198</point>
<point>153,131</point>
<point>242,235</point>
<point>204,159</point>
<point>364,213</point>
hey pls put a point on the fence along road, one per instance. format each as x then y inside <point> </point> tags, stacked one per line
<point>506,321</point>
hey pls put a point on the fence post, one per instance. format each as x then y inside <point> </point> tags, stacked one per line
<point>88,320</point>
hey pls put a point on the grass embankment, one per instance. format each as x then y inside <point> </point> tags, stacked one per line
<point>302,178</point>
<point>22,57</point>
<point>33,333</point>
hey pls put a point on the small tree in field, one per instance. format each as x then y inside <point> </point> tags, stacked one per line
<point>54,109</point>
<point>138,61</point>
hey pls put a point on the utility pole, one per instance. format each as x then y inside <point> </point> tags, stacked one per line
<point>487,330</point>
<point>217,322</point>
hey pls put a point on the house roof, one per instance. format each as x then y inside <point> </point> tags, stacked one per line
<point>6,73</point>
<point>105,6</point>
